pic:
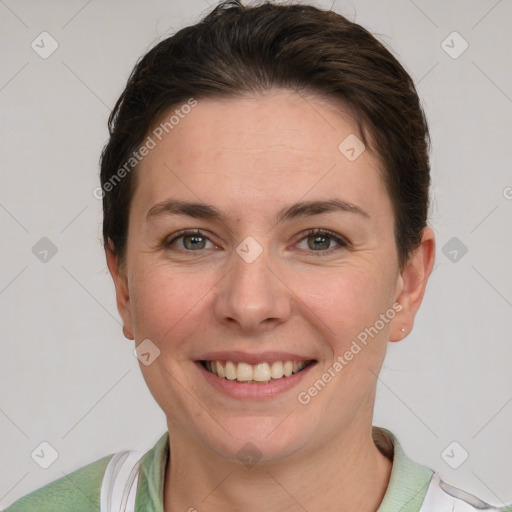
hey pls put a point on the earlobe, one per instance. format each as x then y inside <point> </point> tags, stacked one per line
<point>121,289</point>
<point>412,283</point>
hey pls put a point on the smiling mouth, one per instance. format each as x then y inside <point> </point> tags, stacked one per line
<point>261,373</point>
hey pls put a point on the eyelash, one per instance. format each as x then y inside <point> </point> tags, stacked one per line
<point>342,243</point>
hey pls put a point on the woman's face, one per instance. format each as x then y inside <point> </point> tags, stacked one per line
<point>248,283</point>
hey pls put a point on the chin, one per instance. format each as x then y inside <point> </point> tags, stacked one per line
<point>258,439</point>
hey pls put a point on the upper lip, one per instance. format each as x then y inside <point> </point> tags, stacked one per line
<point>253,358</point>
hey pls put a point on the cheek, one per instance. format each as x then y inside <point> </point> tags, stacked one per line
<point>344,300</point>
<point>174,306</point>
<point>159,301</point>
<point>168,304</point>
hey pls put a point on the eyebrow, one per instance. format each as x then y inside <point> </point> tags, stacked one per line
<point>301,209</point>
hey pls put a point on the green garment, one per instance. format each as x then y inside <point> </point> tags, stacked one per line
<point>80,491</point>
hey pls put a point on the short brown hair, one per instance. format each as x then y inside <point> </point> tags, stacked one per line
<point>238,49</point>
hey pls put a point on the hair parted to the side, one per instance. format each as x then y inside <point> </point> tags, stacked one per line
<point>237,50</point>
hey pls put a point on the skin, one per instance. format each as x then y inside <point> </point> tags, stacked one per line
<point>249,157</point>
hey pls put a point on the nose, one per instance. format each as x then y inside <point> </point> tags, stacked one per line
<point>252,295</point>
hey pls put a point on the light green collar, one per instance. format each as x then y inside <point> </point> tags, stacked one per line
<point>409,480</point>
<point>407,485</point>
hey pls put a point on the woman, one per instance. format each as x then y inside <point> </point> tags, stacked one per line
<point>265,193</point>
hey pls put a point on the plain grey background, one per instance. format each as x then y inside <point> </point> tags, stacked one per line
<point>69,378</point>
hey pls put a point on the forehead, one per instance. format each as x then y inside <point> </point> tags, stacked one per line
<point>278,146</point>
<point>277,121</point>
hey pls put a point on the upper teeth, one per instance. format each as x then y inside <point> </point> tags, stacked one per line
<point>261,372</point>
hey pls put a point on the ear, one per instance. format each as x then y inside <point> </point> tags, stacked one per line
<point>411,285</point>
<point>122,292</point>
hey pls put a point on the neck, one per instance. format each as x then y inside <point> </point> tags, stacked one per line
<point>348,473</point>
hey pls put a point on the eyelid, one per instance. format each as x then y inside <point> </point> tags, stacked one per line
<point>186,232</point>
<point>342,242</point>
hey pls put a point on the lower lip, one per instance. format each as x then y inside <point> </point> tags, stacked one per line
<point>238,389</point>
